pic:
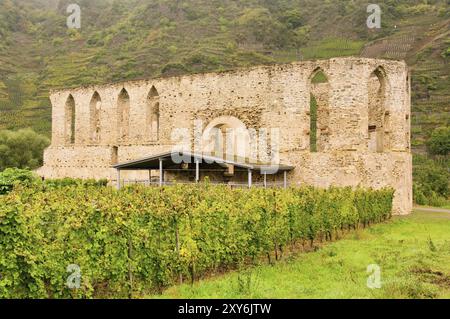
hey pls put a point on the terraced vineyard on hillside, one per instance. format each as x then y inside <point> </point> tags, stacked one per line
<point>135,39</point>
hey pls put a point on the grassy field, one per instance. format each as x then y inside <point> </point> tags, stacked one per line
<point>413,253</point>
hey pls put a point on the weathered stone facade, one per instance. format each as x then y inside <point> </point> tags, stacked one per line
<point>362,129</point>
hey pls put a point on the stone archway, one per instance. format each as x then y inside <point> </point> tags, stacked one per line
<point>226,137</point>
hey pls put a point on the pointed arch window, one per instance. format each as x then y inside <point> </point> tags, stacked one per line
<point>70,117</point>
<point>153,114</point>
<point>123,115</point>
<point>95,108</point>
<point>319,111</point>
<point>378,116</point>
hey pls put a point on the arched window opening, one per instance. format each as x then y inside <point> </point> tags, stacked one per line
<point>378,118</point>
<point>319,111</point>
<point>95,109</point>
<point>70,118</point>
<point>319,77</point>
<point>123,112</point>
<point>153,114</point>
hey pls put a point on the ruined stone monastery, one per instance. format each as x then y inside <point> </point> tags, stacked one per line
<point>341,122</point>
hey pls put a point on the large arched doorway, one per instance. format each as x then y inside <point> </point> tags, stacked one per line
<point>226,137</point>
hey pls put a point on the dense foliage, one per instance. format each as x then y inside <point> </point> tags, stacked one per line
<point>65,182</point>
<point>11,177</point>
<point>431,181</point>
<point>140,240</point>
<point>15,177</point>
<point>23,149</point>
<point>439,142</point>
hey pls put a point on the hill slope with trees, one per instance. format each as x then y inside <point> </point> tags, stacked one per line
<point>122,40</point>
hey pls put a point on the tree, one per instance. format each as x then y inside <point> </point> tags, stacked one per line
<point>22,149</point>
<point>439,142</point>
<point>301,36</point>
<point>293,18</point>
<point>257,25</point>
<point>431,181</point>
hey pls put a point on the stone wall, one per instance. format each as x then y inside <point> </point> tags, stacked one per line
<point>110,128</point>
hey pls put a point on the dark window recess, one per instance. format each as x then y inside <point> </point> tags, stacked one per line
<point>115,155</point>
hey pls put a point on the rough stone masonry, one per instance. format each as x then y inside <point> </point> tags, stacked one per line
<point>361,121</point>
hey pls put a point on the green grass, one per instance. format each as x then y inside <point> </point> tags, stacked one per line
<point>413,253</point>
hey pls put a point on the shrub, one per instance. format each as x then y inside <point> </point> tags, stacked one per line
<point>11,177</point>
<point>257,25</point>
<point>431,181</point>
<point>174,69</point>
<point>439,142</point>
<point>139,239</point>
<point>65,182</point>
<point>22,149</point>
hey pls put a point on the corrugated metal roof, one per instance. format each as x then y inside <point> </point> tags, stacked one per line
<point>177,158</point>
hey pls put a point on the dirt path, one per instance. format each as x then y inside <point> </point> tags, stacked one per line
<point>432,209</point>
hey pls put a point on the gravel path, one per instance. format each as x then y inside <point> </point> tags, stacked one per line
<point>432,209</point>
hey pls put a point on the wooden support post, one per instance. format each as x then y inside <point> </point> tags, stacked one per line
<point>249,178</point>
<point>149,177</point>
<point>197,170</point>
<point>119,186</point>
<point>161,173</point>
<point>265,179</point>
<point>285,179</point>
